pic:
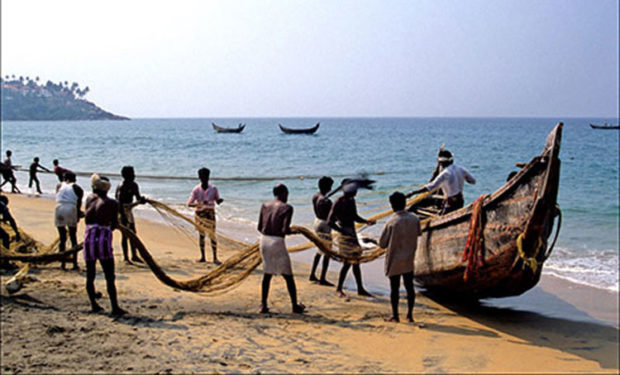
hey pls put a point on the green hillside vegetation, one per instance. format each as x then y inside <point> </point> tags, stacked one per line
<point>24,99</point>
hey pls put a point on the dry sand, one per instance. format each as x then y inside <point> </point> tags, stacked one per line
<point>46,327</point>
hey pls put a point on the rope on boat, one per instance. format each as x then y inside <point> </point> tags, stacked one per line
<point>532,262</point>
<point>474,247</point>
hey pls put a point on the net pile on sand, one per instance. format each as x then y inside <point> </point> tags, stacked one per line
<point>221,279</point>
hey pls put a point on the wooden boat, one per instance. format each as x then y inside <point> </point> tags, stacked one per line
<point>604,126</point>
<point>220,129</point>
<point>311,130</point>
<point>520,214</point>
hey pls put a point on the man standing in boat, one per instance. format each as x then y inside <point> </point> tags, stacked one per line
<point>400,239</point>
<point>203,198</point>
<point>450,180</point>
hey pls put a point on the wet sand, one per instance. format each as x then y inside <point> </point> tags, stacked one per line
<point>47,328</point>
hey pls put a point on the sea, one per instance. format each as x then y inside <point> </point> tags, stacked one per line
<point>398,153</point>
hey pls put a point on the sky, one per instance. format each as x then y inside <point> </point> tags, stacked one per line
<point>438,58</point>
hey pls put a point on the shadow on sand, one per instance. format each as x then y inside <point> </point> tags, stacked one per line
<point>580,334</point>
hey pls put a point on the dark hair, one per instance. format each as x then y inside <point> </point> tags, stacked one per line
<point>127,172</point>
<point>325,184</point>
<point>36,158</point>
<point>55,162</point>
<point>279,189</point>
<point>9,152</point>
<point>204,172</point>
<point>445,154</point>
<point>69,176</point>
<point>4,199</point>
<point>398,201</point>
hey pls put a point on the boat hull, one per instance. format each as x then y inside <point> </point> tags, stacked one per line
<point>311,130</point>
<point>525,206</point>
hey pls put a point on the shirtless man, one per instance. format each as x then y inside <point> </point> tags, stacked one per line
<point>274,223</point>
<point>126,191</point>
<point>101,219</point>
<point>7,173</point>
<point>34,168</point>
<point>342,218</point>
<point>321,205</point>
<point>203,198</point>
<point>4,236</point>
<point>67,213</point>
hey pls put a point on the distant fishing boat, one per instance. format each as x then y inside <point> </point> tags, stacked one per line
<point>513,227</point>
<point>311,130</point>
<point>221,129</point>
<point>604,126</point>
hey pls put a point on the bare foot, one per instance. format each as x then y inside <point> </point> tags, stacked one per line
<point>313,278</point>
<point>325,283</point>
<point>341,294</point>
<point>201,260</point>
<point>217,262</point>
<point>391,320</point>
<point>137,260</point>
<point>96,308</point>
<point>299,308</point>
<point>410,319</point>
<point>263,309</point>
<point>364,293</point>
<point>118,312</point>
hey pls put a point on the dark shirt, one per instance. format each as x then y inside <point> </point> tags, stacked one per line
<point>275,218</point>
<point>102,211</point>
<point>343,215</point>
<point>35,167</point>
<point>322,205</point>
<point>126,190</point>
<point>60,171</point>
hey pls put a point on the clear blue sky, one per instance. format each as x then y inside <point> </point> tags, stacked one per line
<point>323,58</point>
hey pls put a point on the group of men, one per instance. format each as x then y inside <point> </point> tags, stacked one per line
<point>399,236</point>
<point>102,213</point>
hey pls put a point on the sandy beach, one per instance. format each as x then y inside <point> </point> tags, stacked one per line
<point>47,328</point>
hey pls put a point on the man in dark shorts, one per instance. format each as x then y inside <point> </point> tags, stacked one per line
<point>322,205</point>
<point>342,218</point>
<point>34,168</point>
<point>203,198</point>
<point>126,191</point>
<point>400,239</point>
<point>274,223</point>
<point>101,219</point>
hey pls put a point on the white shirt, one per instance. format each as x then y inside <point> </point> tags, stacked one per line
<point>66,194</point>
<point>451,180</point>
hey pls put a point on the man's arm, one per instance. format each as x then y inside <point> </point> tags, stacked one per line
<point>80,194</point>
<point>332,217</point>
<point>468,177</point>
<point>43,168</point>
<point>218,200</point>
<point>288,218</point>
<point>384,240</point>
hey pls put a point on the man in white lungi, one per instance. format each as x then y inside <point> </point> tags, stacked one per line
<point>400,239</point>
<point>67,214</point>
<point>274,223</point>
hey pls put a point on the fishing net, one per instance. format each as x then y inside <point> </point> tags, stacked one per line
<point>232,271</point>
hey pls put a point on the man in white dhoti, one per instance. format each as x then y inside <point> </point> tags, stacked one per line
<point>274,223</point>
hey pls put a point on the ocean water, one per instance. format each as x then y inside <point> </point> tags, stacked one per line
<point>396,152</point>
